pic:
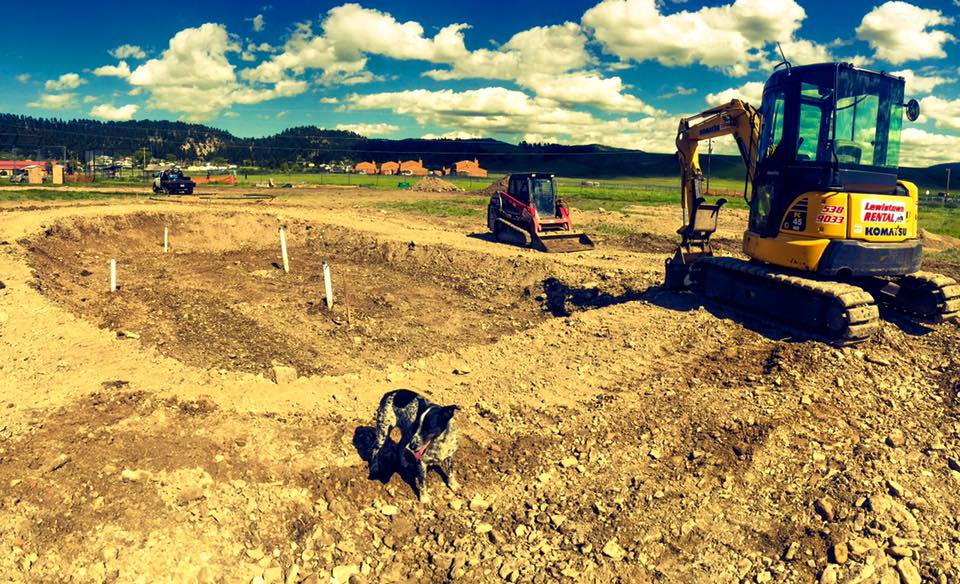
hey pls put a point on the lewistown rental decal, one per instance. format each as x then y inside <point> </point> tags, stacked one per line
<point>883,211</point>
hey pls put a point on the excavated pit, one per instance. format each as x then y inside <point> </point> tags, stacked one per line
<point>220,298</point>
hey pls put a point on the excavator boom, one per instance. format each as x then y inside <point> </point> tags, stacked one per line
<point>736,118</point>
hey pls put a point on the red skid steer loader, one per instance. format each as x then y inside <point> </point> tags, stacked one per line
<point>530,214</point>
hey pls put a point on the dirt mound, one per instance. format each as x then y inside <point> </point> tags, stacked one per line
<point>936,242</point>
<point>498,185</point>
<point>432,184</point>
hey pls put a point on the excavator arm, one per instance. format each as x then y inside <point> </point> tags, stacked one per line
<point>736,118</point>
<point>743,122</point>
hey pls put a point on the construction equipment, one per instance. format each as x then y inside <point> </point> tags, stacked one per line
<point>530,214</point>
<point>173,182</point>
<point>832,231</point>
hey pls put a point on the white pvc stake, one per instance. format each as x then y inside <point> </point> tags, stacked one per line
<point>328,285</point>
<point>113,275</point>
<point>283,250</point>
<point>166,239</point>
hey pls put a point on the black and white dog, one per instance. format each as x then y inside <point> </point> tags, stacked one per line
<point>427,433</point>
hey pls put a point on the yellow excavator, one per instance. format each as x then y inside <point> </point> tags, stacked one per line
<point>832,231</point>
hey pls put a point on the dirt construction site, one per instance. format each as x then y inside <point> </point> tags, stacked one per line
<point>211,420</point>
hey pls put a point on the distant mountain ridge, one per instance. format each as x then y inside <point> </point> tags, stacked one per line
<point>50,138</point>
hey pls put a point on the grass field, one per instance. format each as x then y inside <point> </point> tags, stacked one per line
<point>52,194</point>
<point>613,195</point>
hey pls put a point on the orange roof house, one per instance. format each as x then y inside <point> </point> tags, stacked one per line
<point>365,168</point>
<point>413,167</point>
<point>390,168</point>
<point>469,168</point>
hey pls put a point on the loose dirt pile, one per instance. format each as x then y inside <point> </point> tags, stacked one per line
<point>500,184</point>
<point>432,184</point>
<point>610,430</point>
<point>936,242</point>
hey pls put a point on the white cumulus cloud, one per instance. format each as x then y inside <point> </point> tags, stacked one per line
<point>920,84</point>
<point>194,76</point>
<point>351,32</point>
<point>128,52</point>
<point>751,92</point>
<point>945,113</point>
<point>542,50</point>
<point>453,135</point>
<point>65,81</point>
<point>921,148</point>
<point>114,114</point>
<point>258,23</point>
<point>368,129</point>
<point>55,101</point>
<point>121,70</point>
<point>899,32</point>
<point>515,114</point>
<point>730,37</point>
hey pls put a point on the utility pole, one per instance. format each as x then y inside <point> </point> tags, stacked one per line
<point>948,182</point>
<point>144,164</point>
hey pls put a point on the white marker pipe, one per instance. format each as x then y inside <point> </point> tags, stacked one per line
<point>166,239</point>
<point>327,284</point>
<point>113,275</point>
<point>283,250</point>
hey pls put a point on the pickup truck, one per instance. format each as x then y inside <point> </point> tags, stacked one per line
<point>173,182</point>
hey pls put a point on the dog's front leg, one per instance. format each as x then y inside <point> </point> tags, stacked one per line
<point>451,479</point>
<point>422,482</point>
<point>383,432</point>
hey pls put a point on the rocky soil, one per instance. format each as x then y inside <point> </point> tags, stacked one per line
<point>610,430</point>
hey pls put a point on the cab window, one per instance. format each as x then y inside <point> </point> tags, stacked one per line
<point>814,125</point>
<point>772,133</point>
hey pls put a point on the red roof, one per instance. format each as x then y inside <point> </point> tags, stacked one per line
<point>18,164</point>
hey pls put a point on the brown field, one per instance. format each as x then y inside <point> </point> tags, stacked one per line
<point>610,430</point>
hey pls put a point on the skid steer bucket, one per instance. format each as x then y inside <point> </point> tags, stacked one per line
<point>562,242</point>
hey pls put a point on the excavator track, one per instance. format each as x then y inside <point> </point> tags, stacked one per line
<point>841,313</point>
<point>923,296</point>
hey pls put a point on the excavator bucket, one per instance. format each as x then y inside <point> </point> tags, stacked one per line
<point>562,242</point>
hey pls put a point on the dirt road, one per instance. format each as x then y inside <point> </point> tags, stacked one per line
<point>611,431</point>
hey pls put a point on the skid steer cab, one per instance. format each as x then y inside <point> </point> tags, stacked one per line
<point>530,214</point>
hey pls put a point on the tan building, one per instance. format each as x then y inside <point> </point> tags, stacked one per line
<point>390,168</point>
<point>365,168</point>
<point>413,168</point>
<point>469,168</point>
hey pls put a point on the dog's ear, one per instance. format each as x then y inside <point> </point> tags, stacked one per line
<point>446,412</point>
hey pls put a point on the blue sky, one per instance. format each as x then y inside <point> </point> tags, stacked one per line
<point>616,72</point>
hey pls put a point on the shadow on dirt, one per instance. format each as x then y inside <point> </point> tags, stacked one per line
<point>388,459</point>
<point>483,236</point>
<point>688,301</point>
<point>906,324</point>
<point>562,297</point>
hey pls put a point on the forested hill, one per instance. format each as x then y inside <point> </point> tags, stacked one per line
<point>23,136</point>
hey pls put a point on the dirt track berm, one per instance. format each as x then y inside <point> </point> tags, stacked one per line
<point>530,214</point>
<point>832,230</point>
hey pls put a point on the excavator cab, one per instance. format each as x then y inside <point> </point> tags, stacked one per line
<point>826,127</point>
<point>828,155</point>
